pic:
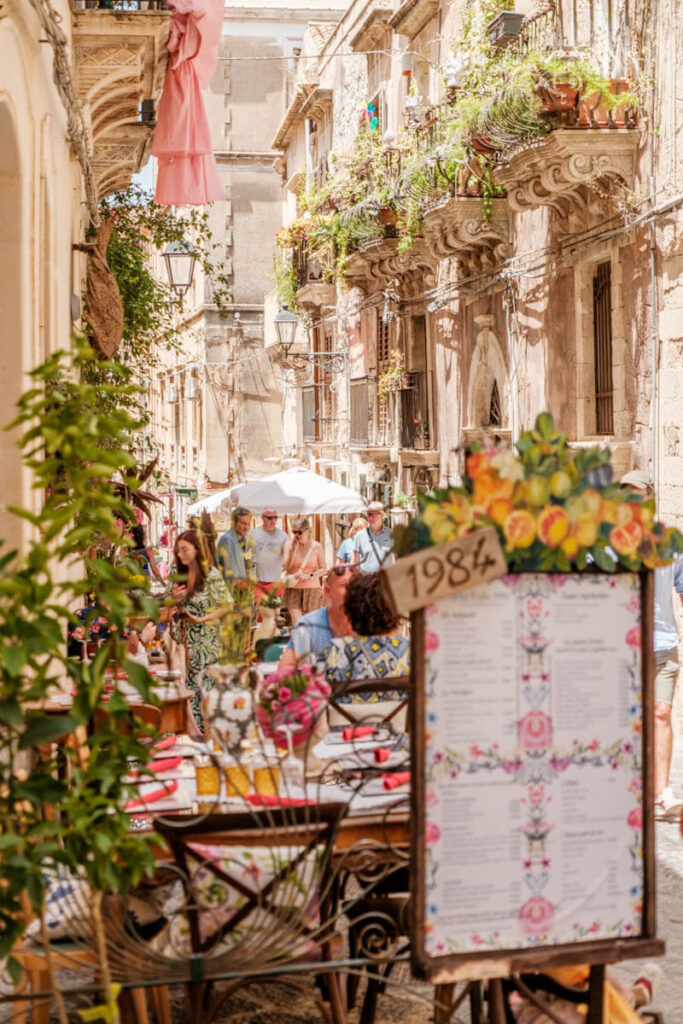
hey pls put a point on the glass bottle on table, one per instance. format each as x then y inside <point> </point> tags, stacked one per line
<point>292,772</point>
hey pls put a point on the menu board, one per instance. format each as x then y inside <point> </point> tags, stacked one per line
<point>531,802</point>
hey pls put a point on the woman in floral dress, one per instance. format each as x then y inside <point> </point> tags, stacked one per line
<point>202,601</point>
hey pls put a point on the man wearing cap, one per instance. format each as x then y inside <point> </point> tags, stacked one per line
<point>232,551</point>
<point>372,547</point>
<point>666,639</point>
<point>267,542</point>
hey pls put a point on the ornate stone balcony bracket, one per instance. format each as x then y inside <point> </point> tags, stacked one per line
<point>119,59</point>
<point>380,263</point>
<point>458,229</point>
<point>556,170</point>
<point>316,295</point>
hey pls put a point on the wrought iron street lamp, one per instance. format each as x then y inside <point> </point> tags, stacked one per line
<point>179,258</point>
<point>286,324</point>
<point>285,327</point>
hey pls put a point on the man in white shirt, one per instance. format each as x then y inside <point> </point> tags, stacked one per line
<point>267,543</point>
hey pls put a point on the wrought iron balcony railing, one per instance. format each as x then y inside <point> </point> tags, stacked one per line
<point>125,6</point>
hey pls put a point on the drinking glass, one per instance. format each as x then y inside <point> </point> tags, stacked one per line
<point>236,777</point>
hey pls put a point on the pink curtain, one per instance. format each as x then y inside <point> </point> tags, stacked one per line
<point>187,172</point>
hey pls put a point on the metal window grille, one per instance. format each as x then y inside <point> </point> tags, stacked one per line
<point>495,411</point>
<point>382,343</point>
<point>362,394</point>
<point>602,347</point>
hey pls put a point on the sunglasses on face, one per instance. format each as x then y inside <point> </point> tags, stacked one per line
<point>270,517</point>
<point>339,570</point>
<point>297,533</point>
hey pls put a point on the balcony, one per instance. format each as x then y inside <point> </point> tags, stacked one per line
<point>411,16</point>
<point>119,58</point>
<point>313,292</point>
<point>414,403</point>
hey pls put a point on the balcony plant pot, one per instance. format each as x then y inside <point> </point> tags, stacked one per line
<point>592,112</point>
<point>386,216</point>
<point>504,27</point>
<point>557,98</point>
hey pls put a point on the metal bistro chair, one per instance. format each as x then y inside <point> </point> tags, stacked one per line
<point>258,900</point>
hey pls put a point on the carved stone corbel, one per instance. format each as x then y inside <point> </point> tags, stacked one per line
<point>554,171</point>
<point>458,228</point>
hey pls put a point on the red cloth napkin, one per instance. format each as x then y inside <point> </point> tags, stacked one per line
<point>270,800</point>
<point>382,754</point>
<point>357,732</point>
<point>163,764</point>
<point>165,744</point>
<point>167,789</point>
<point>396,780</point>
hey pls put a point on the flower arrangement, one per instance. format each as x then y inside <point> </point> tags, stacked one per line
<point>291,699</point>
<point>555,509</point>
<point>272,595</point>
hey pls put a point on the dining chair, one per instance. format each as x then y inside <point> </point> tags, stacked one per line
<point>392,712</point>
<point>258,904</point>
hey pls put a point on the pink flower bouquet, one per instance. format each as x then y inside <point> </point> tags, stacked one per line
<point>294,698</point>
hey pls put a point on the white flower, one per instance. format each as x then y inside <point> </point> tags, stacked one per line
<point>508,466</point>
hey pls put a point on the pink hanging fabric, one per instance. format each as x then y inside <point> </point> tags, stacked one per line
<point>187,172</point>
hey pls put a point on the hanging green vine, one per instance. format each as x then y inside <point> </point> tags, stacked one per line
<point>139,227</point>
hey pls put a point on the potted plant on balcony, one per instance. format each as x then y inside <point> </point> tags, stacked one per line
<point>394,378</point>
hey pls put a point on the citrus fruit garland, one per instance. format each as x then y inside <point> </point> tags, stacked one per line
<point>554,507</point>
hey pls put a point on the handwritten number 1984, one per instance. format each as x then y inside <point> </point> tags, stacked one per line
<point>429,574</point>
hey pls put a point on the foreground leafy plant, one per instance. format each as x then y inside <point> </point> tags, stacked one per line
<point>76,441</point>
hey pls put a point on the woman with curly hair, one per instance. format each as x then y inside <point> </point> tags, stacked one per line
<point>377,650</point>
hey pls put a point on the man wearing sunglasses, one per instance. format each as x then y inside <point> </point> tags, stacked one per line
<point>267,542</point>
<point>372,547</point>
<point>314,631</point>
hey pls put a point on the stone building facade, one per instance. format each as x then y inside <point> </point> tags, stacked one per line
<point>72,81</point>
<point>217,402</point>
<point>566,297</point>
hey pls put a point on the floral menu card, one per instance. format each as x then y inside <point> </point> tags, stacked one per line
<point>533,808</point>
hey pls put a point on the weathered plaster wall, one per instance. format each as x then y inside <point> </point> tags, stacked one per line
<point>40,216</point>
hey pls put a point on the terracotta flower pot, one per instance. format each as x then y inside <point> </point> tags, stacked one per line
<point>559,98</point>
<point>591,113</point>
<point>387,216</point>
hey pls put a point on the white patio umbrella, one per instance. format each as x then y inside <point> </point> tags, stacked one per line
<point>212,502</point>
<point>298,491</point>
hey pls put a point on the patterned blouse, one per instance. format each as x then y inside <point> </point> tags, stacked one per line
<point>366,657</point>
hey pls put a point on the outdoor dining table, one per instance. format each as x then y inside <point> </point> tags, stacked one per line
<point>176,711</point>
